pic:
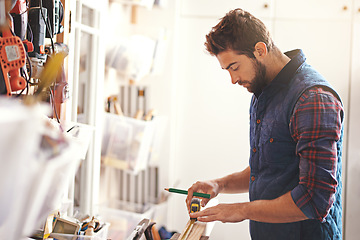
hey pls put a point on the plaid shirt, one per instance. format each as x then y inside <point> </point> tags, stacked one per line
<point>316,127</point>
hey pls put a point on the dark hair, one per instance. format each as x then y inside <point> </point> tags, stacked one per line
<point>239,31</point>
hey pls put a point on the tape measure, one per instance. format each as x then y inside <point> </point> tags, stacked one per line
<point>194,207</point>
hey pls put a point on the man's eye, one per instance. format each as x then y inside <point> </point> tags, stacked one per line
<point>235,69</point>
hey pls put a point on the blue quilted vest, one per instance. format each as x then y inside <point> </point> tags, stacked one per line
<point>273,162</point>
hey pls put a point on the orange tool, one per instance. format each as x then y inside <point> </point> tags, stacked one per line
<point>12,58</point>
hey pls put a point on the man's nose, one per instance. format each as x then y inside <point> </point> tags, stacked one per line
<point>234,78</point>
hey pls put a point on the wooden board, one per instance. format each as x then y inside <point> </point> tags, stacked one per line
<point>195,233</point>
<point>177,235</point>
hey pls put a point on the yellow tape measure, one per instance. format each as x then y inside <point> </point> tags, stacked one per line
<point>194,207</point>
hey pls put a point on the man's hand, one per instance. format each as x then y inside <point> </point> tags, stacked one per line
<point>279,210</point>
<point>223,212</point>
<point>209,187</point>
<point>237,182</point>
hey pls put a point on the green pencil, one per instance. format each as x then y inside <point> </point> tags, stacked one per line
<point>174,190</point>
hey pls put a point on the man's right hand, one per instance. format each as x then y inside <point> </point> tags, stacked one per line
<point>210,187</point>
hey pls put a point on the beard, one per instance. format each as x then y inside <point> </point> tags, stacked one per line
<point>259,82</point>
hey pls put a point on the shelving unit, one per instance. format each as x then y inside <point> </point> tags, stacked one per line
<point>86,76</point>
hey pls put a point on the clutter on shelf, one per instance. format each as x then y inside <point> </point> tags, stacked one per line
<point>38,161</point>
<point>87,227</point>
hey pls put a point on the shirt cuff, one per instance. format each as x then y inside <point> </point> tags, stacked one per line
<point>302,199</point>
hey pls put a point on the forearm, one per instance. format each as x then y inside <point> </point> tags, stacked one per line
<point>235,183</point>
<point>279,210</point>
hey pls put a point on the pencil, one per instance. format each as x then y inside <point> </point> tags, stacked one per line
<point>175,190</point>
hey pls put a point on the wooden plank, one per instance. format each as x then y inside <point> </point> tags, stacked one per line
<point>184,230</point>
<point>177,235</point>
<point>195,233</point>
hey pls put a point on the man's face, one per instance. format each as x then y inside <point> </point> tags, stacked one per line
<point>245,71</point>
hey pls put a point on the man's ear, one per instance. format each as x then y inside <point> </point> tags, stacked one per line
<point>260,50</point>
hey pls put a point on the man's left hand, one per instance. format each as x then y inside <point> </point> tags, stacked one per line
<point>223,212</point>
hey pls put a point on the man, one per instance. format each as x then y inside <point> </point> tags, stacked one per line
<point>296,129</point>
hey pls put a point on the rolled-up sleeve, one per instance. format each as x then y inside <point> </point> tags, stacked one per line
<point>316,127</point>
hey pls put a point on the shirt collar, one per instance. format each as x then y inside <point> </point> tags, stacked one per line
<point>285,75</point>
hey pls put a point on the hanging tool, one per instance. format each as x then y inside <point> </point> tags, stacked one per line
<point>19,16</point>
<point>12,59</point>
<point>24,25</point>
<point>194,207</point>
<point>12,53</point>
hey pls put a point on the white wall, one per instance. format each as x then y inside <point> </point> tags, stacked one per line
<point>353,168</point>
